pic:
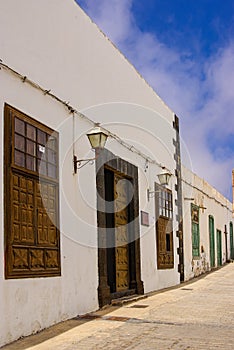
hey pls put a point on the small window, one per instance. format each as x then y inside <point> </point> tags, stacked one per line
<point>164,202</point>
<point>34,149</point>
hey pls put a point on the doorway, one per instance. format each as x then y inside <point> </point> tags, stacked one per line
<point>219,248</point>
<point>118,213</point>
<point>212,241</point>
<point>118,228</point>
<point>231,241</point>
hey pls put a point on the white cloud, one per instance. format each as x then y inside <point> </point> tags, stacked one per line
<point>205,105</point>
<point>114,17</point>
<point>220,83</point>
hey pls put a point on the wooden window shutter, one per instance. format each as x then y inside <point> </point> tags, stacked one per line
<point>32,238</point>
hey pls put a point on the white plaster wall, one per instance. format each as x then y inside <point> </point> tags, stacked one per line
<point>28,305</point>
<point>56,44</point>
<point>218,206</point>
<point>75,292</point>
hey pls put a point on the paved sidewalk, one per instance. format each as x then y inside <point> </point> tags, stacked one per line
<point>198,315</point>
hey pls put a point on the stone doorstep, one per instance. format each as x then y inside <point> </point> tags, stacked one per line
<point>115,304</point>
<point>128,299</point>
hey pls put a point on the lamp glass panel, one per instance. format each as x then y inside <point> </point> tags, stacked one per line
<point>97,140</point>
<point>103,138</point>
<point>164,178</point>
<point>94,140</point>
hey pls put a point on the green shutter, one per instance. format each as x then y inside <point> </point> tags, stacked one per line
<point>219,248</point>
<point>212,241</point>
<point>195,238</point>
<point>195,230</point>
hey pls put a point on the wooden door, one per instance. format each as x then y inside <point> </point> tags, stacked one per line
<point>212,242</point>
<point>121,232</point>
<point>219,248</point>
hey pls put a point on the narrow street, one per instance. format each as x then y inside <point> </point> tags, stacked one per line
<point>197,315</point>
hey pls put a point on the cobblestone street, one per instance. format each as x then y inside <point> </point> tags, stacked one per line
<point>197,315</point>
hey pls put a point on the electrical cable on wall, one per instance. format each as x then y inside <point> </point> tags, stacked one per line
<point>207,195</point>
<point>93,123</point>
<point>81,115</point>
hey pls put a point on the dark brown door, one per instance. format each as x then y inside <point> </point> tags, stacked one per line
<point>121,232</point>
<point>117,219</point>
<point>118,228</point>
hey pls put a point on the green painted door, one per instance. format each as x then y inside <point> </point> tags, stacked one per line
<point>219,248</point>
<point>212,241</point>
<point>231,241</point>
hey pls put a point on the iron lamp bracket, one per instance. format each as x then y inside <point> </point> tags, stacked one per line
<point>80,163</point>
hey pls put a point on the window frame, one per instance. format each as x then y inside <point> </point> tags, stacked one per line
<point>164,227</point>
<point>195,230</point>
<point>48,252</point>
<point>165,205</point>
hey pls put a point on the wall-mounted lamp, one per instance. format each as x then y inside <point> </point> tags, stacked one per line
<point>97,138</point>
<point>164,179</point>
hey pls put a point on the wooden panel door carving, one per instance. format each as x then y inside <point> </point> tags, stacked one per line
<point>165,243</point>
<point>46,213</point>
<point>22,209</point>
<point>111,229</point>
<point>121,232</point>
<point>33,225</point>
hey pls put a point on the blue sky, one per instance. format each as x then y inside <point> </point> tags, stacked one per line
<point>185,50</point>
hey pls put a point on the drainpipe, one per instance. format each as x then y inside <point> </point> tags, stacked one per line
<point>226,233</point>
<point>178,188</point>
<point>233,192</point>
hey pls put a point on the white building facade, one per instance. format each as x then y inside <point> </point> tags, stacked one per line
<point>64,250</point>
<point>71,240</point>
<point>208,226</point>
